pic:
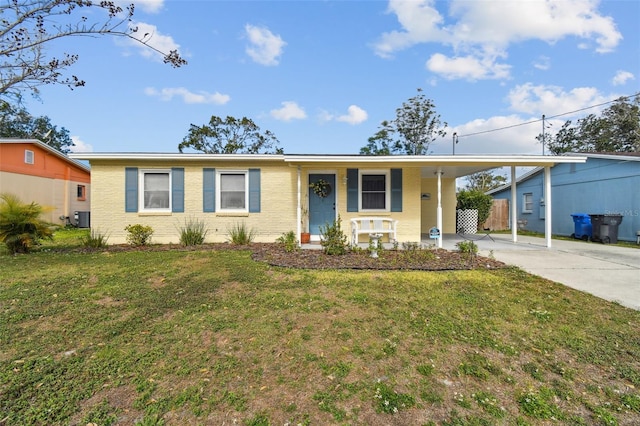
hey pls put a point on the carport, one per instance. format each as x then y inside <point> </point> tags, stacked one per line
<point>460,166</point>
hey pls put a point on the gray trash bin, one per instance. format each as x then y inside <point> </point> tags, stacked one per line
<point>605,227</point>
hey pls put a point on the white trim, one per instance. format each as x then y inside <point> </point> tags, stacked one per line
<point>29,156</point>
<point>387,189</point>
<point>524,202</point>
<point>141,192</point>
<point>219,173</point>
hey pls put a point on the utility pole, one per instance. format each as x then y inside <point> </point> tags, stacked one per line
<point>543,137</point>
<point>455,141</point>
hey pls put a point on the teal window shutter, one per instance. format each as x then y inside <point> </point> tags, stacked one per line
<point>208,190</point>
<point>177,190</point>
<point>254,190</point>
<point>131,189</point>
<point>396,190</point>
<point>352,190</point>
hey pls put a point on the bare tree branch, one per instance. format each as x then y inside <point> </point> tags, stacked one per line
<point>27,26</point>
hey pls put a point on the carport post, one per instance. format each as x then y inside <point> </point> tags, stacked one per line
<point>299,209</point>
<point>547,205</point>
<point>514,206</point>
<point>439,208</point>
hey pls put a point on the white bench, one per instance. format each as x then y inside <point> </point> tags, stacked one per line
<point>373,225</point>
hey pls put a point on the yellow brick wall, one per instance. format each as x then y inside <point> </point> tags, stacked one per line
<point>278,203</point>
<point>429,206</point>
<point>277,216</point>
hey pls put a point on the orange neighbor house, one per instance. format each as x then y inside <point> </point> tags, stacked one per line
<point>36,172</point>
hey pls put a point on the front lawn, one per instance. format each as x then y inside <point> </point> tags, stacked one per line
<point>213,337</point>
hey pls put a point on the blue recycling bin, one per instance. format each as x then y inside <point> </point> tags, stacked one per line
<point>582,226</point>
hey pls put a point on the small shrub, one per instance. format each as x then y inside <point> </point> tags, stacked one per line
<point>467,247</point>
<point>193,232</point>
<point>138,235</point>
<point>95,239</point>
<point>239,234</point>
<point>410,246</point>
<point>333,240</point>
<point>21,228</point>
<point>288,241</point>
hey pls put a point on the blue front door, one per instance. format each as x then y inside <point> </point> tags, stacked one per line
<point>322,208</point>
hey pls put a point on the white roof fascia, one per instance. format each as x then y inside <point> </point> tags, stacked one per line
<point>605,156</point>
<point>52,150</point>
<point>499,160</point>
<point>173,156</point>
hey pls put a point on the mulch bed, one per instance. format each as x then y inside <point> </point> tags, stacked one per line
<point>423,260</point>
<point>274,254</point>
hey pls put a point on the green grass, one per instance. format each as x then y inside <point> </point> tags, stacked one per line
<point>193,337</point>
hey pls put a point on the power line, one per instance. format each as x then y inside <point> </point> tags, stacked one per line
<point>547,118</point>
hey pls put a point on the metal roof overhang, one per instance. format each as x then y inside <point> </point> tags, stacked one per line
<point>450,165</point>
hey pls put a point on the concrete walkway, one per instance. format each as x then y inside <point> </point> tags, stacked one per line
<point>606,271</point>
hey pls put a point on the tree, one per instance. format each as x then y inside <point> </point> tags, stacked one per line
<point>484,181</point>
<point>18,123</point>
<point>380,143</point>
<point>230,136</point>
<point>413,130</point>
<point>475,200</point>
<point>617,129</point>
<point>28,26</point>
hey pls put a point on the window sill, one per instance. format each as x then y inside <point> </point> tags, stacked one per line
<point>232,214</point>
<point>154,213</point>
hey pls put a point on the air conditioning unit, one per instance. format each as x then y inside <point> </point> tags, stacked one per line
<point>82,219</point>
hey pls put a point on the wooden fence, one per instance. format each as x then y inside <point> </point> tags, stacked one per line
<point>498,219</point>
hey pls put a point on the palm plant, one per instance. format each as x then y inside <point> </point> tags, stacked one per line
<point>21,228</point>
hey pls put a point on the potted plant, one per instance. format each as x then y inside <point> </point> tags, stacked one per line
<point>305,235</point>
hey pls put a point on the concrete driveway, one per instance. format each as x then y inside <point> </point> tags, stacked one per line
<point>606,271</point>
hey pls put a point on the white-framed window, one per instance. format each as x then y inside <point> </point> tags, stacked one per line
<point>28,156</point>
<point>155,194</point>
<point>374,190</point>
<point>232,190</point>
<point>527,202</point>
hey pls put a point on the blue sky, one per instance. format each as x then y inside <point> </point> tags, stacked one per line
<point>322,75</point>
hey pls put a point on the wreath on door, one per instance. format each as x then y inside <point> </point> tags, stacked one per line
<point>321,188</point>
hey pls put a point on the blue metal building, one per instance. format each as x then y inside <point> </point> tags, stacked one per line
<point>604,184</point>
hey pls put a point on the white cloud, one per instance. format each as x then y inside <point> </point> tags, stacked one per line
<point>150,6</point>
<point>265,47</point>
<point>622,77</point>
<point>290,111</point>
<point>542,63</point>
<point>355,115</point>
<point>187,96</point>
<point>79,145</point>
<point>516,137</point>
<point>467,67</point>
<point>552,100</point>
<point>147,6</point>
<point>484,30</point>
<point>150,35</point>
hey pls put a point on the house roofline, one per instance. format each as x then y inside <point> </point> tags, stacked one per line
<point>50,149</point>
<point>488,160</point>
